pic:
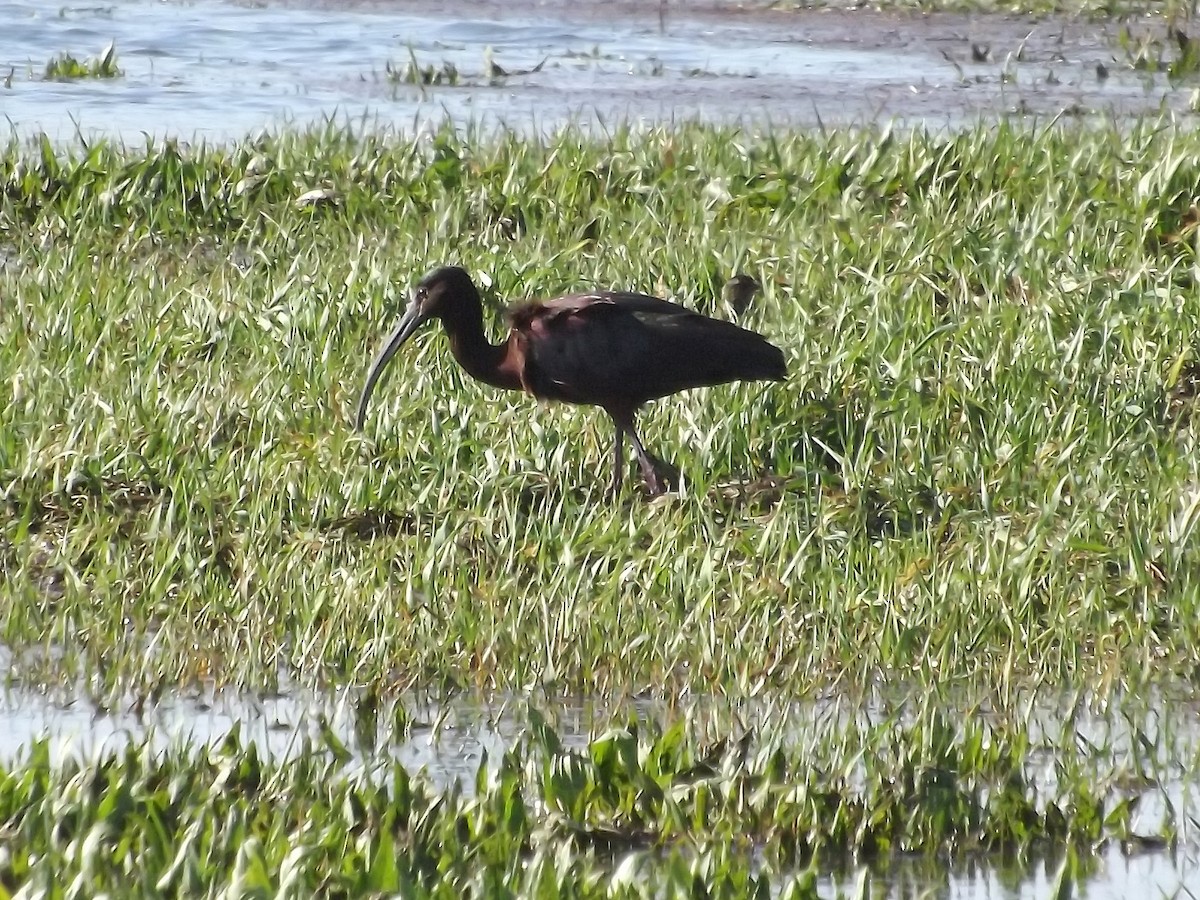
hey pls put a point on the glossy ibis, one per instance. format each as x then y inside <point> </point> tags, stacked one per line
<point>611,349</point>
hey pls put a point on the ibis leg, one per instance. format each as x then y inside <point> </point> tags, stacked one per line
<point>656,473</point>
<point>618,459</point>
<point>650,465</point>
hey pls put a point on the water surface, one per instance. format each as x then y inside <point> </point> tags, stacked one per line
<point>220,70</point>
<point>447,741</point>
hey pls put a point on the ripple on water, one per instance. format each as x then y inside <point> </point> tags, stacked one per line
<point>242,67</point>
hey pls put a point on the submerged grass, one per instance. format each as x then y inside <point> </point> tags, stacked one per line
<point>414,73</point>
<point>66,67</point>
<point>640,811</point>
<point>982,469</point>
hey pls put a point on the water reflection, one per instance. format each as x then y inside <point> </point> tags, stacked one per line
<point>1110,875</point>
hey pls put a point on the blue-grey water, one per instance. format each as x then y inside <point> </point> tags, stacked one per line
<point>447,741</point>
<point>220,70</point>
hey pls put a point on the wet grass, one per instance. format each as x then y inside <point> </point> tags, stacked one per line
<point>981,468</point>
<point>412,72</point>
<point>66,67</point>
<point>980,480</point>
<point>1169,45</point>
<point>446,74</point>
<point>640,810</point>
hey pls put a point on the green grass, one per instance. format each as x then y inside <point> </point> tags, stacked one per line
<point>982,469</point>
<point>414,73</point>
<point>66,67</point>
<point>640,811</point>
<point>446,74</point>
<point>979,485</point>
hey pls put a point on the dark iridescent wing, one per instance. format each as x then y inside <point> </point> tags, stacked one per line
<point>627,348</point>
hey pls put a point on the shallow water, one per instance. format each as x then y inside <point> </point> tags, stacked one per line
<point>220,70</point>
<point>448,740</point>
<point>1117,877</point>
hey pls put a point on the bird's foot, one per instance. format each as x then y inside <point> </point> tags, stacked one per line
<point>656,485</point>
<point>659,476</point>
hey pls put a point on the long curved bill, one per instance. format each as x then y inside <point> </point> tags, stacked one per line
<point>409,323</point>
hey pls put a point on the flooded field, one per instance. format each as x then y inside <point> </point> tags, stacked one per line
<point>447,743</point>
<point>221,70</point>
<point>980,475</point>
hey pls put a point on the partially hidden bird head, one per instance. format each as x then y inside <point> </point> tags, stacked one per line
<point>445,293</point>
<point>740,290</point>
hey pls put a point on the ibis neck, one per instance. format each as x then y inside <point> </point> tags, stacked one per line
<point>481,359</point>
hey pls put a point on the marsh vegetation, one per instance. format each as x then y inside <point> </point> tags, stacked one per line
<point>978,486</point>
<point>66,67</point>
